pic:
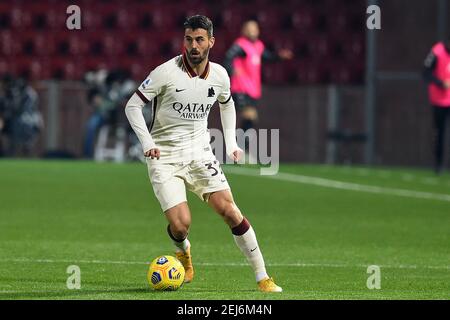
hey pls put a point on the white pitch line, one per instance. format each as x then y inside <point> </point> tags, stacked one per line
<point>228,264</point>
<point>328,183</point>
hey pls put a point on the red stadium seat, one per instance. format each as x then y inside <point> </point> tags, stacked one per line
<point>91,18</point>
<point>39,69</point>
<point>171,43</point>
<point>193,10</point>
<point>290,70</point>
<point>101,43</point>
<point>280,40</point>
<point>78,44</point>
<point>20,18</point>
<point>166,17</point>
<point>339,73</point>
<point>144,17</point>
<point>222,44</point>
<point>126,18</point>
<point>232,18</point>
<point>337,22</point>
<point>71,42</point>
<point>5,19</point>
<point>96,63</point>
<point>8,65</point>
<point>311,71</point>
<point>274,73</point>
<point>38,43</point>
<point>270,17</point>
<point>39,12</point>
<point>353,47</point>
<point>57,16</point>
<point>74,68</point>
<point>304,19</point>
<point>138,68</point>
<point>345,72</point>
<point>113,44</point>
<point>22,65</point>
<point>70,68</point>
<point>139,34</point>
<point>143,43</point>
<point>320,46</point>
<point>9,44</point>
<point>116,15</point>
<point>108,15</point>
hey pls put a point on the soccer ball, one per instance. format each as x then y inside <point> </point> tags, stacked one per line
<point>165,273</point>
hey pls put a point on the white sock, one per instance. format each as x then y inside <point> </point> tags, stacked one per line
<point>249,246</point>
<point>182,246</point>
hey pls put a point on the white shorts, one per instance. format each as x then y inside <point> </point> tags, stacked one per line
<point>170,180</point>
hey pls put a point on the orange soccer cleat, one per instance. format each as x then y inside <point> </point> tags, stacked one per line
<point>186,260</point>
<point>268,285</point>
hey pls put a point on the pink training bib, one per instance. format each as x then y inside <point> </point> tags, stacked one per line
<point>440,96</point>
<point>247,70</point>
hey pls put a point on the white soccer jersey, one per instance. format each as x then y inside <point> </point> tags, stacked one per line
<point>182,101</point>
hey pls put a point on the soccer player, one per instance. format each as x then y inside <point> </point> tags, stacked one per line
<point>243,63</point>
<point>177,147</point>
<point>437,76</point>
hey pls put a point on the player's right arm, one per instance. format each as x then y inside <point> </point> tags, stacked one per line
<point>150,88</point>
<point>232,53</point>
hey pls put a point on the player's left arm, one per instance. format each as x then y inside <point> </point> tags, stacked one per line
<point>228,119</point>
<point>429,66</point>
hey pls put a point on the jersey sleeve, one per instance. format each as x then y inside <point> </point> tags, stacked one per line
<point>228,116</point>
<point>152,85</point>
<point>225,94</point>
<point>133,112</point>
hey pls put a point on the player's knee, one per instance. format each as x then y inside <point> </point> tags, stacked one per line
<point>230,213</point>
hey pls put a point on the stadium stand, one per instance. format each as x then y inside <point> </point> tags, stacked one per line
<point>324,36</point>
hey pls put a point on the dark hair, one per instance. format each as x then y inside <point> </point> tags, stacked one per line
<point>199,22</point>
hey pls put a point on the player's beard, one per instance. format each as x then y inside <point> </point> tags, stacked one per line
<point>198,59</point>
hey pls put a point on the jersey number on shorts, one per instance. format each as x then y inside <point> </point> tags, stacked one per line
<point>209,166</point>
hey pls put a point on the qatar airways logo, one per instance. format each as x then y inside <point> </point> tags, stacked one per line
<point>194,111</point>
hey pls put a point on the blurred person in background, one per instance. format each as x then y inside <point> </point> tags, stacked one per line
<point>20,119</point>
<point>243,64</point>
<point>100,107</point>
<point>437,75</point>
<point>108,93</point>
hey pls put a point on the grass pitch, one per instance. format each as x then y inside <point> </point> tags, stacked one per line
<point>318,237</point>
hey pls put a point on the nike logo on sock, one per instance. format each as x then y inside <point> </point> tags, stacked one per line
<point>251,250</point>
<point>179,90</point>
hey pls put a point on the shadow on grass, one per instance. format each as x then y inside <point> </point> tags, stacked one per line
<point>24,295</point>
<point>86,294</point>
